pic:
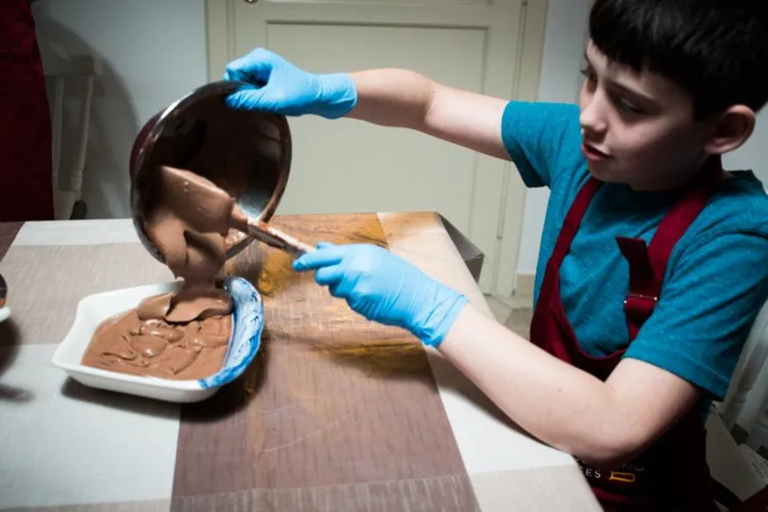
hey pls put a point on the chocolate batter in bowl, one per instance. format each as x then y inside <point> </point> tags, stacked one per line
<point>248,154</point>
<point>189,351</point>
<point>185,334</point>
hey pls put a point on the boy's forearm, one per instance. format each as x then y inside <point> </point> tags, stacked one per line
<point>392,97</point>
<point>558,403</point>
<point>402,98</point>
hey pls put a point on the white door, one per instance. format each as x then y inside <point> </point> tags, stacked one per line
<point>489,46</point>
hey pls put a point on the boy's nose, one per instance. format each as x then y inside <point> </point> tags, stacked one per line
<point>592,119</point>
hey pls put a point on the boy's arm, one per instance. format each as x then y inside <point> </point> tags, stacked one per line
<point>602,423</point>
<point>390,97</point>
<point>544,140</point>
<point>396,97</point>
<point>685,351</point>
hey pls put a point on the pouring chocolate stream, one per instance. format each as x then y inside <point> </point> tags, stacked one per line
<point>182,335</point>
<point>209,209</point>
<point>189,226</point>
<point>194,254</point>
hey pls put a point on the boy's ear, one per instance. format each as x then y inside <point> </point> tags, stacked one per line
<point>730,130</point>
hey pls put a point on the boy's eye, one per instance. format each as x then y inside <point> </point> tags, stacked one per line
<point>589,74</point>
<point>626,106</point>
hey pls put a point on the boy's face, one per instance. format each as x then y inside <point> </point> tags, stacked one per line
<point>638,128</point>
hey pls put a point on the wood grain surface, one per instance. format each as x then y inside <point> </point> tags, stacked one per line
<point>336,413</point>
<point>130,506</point>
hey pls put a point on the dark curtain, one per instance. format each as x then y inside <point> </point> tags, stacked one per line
<point>26,189</point>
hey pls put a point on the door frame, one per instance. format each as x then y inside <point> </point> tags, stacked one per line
<point>500,277</point>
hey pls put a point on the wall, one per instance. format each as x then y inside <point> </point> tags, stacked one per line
<point>152,53</point>
<point>560,80</point>
<point>754,154</point>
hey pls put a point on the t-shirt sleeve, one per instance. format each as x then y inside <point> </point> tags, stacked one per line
<point>707,306</point>
<point>540,138</point>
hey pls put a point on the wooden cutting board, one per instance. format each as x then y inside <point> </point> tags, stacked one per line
<point>336,412</point>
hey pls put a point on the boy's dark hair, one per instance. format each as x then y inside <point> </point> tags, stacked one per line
<point>717,50</point>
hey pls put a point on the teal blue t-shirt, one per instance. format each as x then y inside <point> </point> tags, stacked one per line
<point>716,279</point>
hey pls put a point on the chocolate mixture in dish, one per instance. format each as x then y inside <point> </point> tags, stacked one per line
<point>182,335</point>
<point>155,347</point>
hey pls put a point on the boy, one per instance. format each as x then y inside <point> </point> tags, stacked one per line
<point>653,259</point>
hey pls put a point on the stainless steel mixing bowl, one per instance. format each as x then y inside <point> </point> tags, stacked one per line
<point>246,153</point>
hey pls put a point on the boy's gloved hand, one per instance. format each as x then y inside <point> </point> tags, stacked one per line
<point>285,89</point>
<point>384,287</point>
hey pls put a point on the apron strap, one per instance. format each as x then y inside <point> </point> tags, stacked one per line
<point>644,285</point>
<point>572,220</point>
<point>550,284</point>
<point>648,263</point>
<point>682,214</point>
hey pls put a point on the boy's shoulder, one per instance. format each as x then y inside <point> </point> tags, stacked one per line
<point>542,139</point>
<point>734,220</point>
<point>739,206</point>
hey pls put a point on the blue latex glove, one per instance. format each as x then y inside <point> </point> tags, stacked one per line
<point>285,89</point>
<point>384,287</point>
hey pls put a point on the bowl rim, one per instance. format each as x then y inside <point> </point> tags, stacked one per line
<point>59,360</point>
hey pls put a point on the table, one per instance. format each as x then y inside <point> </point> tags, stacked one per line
<point>335,414</point>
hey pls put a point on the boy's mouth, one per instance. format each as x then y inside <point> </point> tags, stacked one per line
<point>592,153</point>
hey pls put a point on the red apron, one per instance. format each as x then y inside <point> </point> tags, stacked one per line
<point>26,176</point>
<point>673,474</point>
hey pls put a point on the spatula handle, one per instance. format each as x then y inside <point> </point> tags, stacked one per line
<point>278,239</point>
<point>267,234</point>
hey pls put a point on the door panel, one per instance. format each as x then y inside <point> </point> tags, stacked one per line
<point>350,166</point>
